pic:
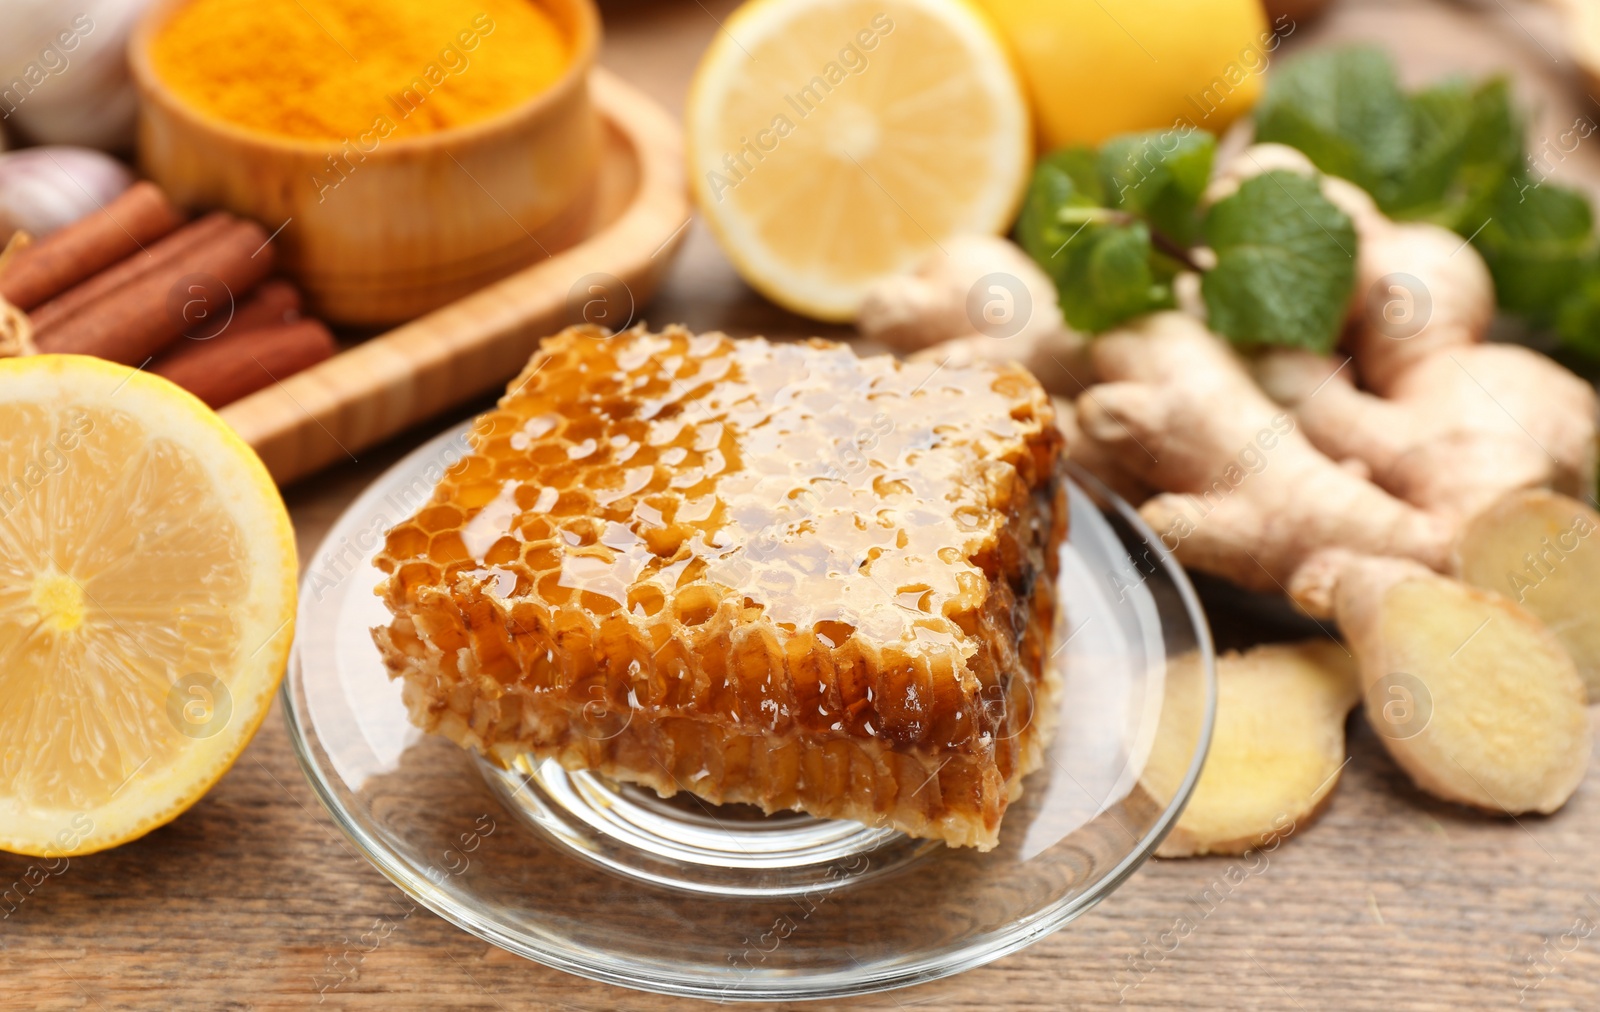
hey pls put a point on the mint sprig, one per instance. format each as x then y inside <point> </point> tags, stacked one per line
<point>1468,142</point>
<point>1114,227</point>
<point>1539,243</point>
<point>1345,110</point>
<point>1453,154</point>
<point>1099,255</point>
<point>1159,175</point>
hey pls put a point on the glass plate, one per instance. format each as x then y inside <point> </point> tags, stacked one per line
<point>680,897</point>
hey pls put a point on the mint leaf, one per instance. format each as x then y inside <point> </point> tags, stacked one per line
<point>1493,151</point>
<point>1285,264</point>
<point>1578,318</point>
<point>1344,109</point>
<point>1160,174</point>
<point>1099,258</point>
<point>1106,277</point>
<point>1466,142</point>
<point>1063,181</point>
<point>1452,154</point>
<point>1438,155</point>
<point>1441,119</point>
<point>1538,240</point>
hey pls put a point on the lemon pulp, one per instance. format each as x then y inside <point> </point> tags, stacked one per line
<point>834,143</point>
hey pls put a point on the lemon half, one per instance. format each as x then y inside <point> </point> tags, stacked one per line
<point>836,142</point>
<point>1098,68</point>
<point>147,593</point>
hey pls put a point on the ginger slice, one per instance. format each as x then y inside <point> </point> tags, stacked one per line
<point>1475,699</point>
<point>1276,749</point>
<point>1542,550</point>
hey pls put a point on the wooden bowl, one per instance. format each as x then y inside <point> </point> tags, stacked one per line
<point>415,222</point>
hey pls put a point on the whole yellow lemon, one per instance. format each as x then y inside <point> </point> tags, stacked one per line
<point>1098,68</point>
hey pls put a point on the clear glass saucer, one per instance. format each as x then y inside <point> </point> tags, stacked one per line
<point>720,902</point>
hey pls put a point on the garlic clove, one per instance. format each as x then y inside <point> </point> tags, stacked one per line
<point>42,189</point>
<point>65,71</point>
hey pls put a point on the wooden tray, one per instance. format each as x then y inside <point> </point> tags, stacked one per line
<point>390,382</point>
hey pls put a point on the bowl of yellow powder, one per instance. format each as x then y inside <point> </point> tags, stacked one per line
<point>413,151</point>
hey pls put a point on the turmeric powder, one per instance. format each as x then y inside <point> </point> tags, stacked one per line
<point>331,69</point>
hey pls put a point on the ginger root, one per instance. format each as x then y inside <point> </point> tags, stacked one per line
<point>1427,288</point>
<point>980,298</point>
<point>1455,426</point>
<point>1473,696</point>
<point>1277,746</point>
<point>1451,424</point>
<point>1458,430</point>
<point>1542,550</point>
<point>1097,458</point>
<point>1350,489</point>
<point>1247,496</point>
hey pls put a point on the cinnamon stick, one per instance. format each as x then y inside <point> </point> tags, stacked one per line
<point>149,312</point>
<point>240,362</point>
<point>139,216</point>
<point>274,304</point>
<point>156,255</point>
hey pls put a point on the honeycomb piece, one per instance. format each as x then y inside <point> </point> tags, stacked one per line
<point>776,574</point>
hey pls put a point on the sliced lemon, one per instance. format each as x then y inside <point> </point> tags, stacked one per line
<point>147,588</point>
<point>835,142</point>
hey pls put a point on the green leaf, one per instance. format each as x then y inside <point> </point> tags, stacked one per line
<point>1578,318</point>
<point>1106,276</point>
<point>1441,119</point>
<point>1467,140</point>
<point>1099,258</point>
<point>1160,174</point>
<point>1452,154</point>
<point>1538,240</point>
<point>1063,181</point>
<point>1493,151</point>
<point>1285,264</point>
<point>1344,109</point>
<point>1438,155</point>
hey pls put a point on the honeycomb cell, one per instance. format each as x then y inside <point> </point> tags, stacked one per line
<point>503,552</point>
<point>646,601</point>
<point>439,518</point>
<point>475,495</point>
<point>471,469</point>
<point>447,547</point>
<point>405,541</point>
<point>814,580</point>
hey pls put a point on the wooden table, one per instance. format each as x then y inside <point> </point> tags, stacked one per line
<point>1391,901</point>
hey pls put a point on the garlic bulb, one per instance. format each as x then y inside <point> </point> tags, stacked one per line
<point>64,71</point>
<point>42,189</point>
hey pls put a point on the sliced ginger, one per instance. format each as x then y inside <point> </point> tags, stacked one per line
<point>1277,745</point>
<point>1473,696</point>
<point>1542,550</point>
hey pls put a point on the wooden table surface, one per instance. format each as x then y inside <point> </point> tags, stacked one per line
<point>1391,901</point>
